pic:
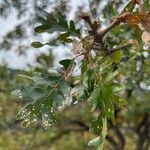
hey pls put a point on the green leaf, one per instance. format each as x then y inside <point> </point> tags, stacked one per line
<point>94,98</point>
<point>58,101</point>
<point>62,20</point>
<point>28,115</point>
<point>111,75</point>
<point>57,22</point>
<point>64,87</point>
<point>36,44</point>
<point>104,130</point>
<point>107,96</point>
<point>66,63</point>
<point>41,20</point>
<point>47,113</point>
<point>99,125</point>
<point>73,30</point>
<point>53,42</point>
<point>38,109</point>
<point>16,93</point>
<point>88,42</point>
<point>72,25</point>
<point>116,56</point>
<point>95,142</point>
<point>33,93</point>
<point>64,91</point>
<point>47,80</point>
<point>24,112</point>
<point>117,87</point>
<point>129,6</point>
<point>64,38</point>
<point>42,28</point>
<point>119,101</point>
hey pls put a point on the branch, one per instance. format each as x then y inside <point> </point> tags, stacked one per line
<point>120,135</point>
<point>3,91</point>
<point>99,35</point>
<point>113,142</point>
<point>143,131</point>
<point>87,19</point>
<point>115,22</point>
<point>85,128</point>
<point>63,132</point>
<point>130,43</point>
<point>93,25</point>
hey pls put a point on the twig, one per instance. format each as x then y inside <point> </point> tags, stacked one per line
<point>115,22</point>
<point>100,35</point>
<point>131,42</point>
<point>87,19</point>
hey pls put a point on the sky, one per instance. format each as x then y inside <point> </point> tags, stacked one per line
<point>10,57</point>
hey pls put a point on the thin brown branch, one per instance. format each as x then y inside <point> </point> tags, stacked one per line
<point>81,126</point>
<point>130,43</point>
<point>87,19</point>
<point>99,36</point>
<point>115,22</point>
<point>113,142</point>
<point>121,137</point>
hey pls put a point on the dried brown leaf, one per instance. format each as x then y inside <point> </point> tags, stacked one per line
<point>76,47</point>
<point>146,37</point>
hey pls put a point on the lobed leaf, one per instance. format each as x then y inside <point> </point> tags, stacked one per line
<point>66,63</point>
<point>37,44</point>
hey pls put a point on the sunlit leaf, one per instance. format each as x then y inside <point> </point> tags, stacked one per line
<point>88,42</point>
<point>95,142</point>
<point>116,56</point>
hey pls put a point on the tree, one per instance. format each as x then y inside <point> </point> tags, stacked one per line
<point>113,71</point>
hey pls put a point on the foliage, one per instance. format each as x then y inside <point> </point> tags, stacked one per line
<point>113,72</point>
